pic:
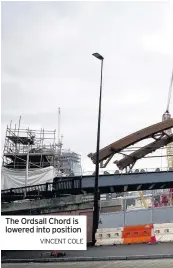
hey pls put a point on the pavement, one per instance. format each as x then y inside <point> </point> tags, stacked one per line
<point>103,251</point>
<point>166,263</point>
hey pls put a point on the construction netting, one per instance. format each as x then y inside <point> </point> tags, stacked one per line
<point>17,178</point>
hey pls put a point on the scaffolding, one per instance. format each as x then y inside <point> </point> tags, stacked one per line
<point>39,145</point>
<point>32,149</point>
<point>70,163</point>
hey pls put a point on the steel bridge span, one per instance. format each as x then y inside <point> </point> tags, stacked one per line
<point>85,184</point>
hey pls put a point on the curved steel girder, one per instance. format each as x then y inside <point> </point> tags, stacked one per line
<point>131,139</point>
<point>131,158</point>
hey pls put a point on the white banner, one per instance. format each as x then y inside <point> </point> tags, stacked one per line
<point>43,232</point>
<point>16,178</point>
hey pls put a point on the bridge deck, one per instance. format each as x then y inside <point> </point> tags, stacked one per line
<point>78,185</point>
<point>130,182</point>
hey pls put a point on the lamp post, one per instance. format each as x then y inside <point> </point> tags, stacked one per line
<point>96,189</point>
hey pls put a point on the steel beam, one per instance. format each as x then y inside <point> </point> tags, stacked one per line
<point>131,139</point>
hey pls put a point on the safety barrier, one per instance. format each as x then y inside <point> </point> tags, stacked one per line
<point>139,234</point>
<point>163,232</point>
<point>112,236</point>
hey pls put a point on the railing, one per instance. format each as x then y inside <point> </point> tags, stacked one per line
<point>111,172</point>
<point>57,188</point>
<point>23,149</point>
<point>61,183</point>
<point>34,188</point>
<point>40,149</point>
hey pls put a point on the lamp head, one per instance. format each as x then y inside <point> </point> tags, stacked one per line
<point>98,56</point>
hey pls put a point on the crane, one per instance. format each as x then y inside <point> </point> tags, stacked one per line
<point>59,133</point>
<point>169,148</point>
<point>166,116</point>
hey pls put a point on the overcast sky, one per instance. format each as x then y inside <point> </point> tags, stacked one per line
<point>47,63</point>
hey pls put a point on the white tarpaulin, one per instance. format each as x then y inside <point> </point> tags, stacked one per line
<point>16,178</point>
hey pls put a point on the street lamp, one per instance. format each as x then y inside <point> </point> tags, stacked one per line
<point>96,189</point>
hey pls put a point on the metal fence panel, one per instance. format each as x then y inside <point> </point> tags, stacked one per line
<point>111,220</point>
<point>163,214</point>
<point>135,217</point>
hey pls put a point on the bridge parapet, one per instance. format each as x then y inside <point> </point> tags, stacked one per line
<point>139,170</point>
<point>108,183</point>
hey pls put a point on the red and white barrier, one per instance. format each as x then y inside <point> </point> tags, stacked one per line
<point>112,236</point>
<point>163,232</point>
<point>151,233</point>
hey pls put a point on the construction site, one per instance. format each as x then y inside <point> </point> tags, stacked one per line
<point>37,168</point>
<point>135,206</point>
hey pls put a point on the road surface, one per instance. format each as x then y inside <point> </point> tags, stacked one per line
<point>166,263</point>
<point>120,250</point>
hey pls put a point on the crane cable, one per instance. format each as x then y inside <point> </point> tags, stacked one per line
<point>169,94</point>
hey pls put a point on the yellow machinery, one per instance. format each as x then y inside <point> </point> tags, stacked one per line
<point>143,202</point>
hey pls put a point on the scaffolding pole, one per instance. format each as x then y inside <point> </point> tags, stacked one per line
<point>27,167</point>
